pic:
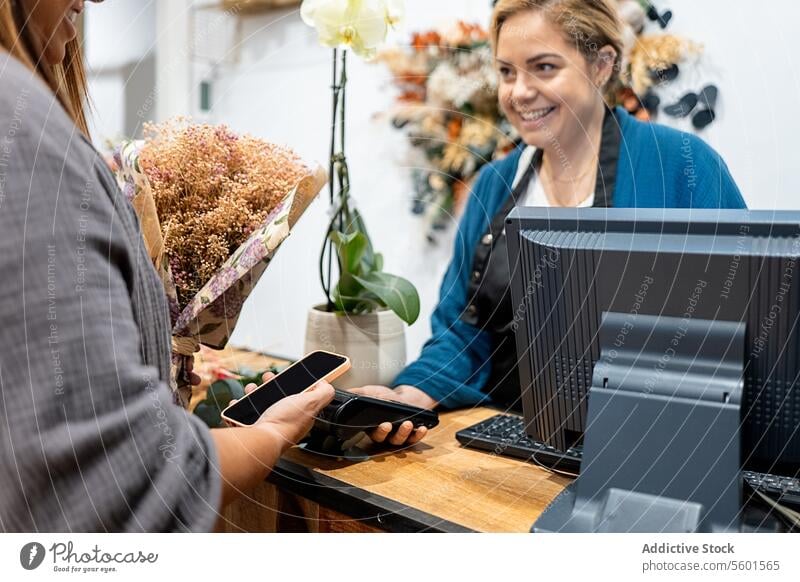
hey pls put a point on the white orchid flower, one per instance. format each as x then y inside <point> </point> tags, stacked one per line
<point>395,12</point>
<point>359,25</point>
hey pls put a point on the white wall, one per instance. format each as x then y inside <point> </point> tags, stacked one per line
<point>751,54</point>
<point>120,38</point>
<point>279,90</point>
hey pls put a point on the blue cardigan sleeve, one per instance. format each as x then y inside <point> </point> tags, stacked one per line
<point>704,180</point>
<point>455,362</point>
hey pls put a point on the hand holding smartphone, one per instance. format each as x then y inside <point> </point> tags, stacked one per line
<point>344,417</point>
<point>300,376</point>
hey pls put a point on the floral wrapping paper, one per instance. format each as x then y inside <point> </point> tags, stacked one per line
<point>211,315</point>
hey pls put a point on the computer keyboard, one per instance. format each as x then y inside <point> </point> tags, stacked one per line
<point>783,490</point>
<point>504,434</point>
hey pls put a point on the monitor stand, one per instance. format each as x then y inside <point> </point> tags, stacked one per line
<point>661,447</point>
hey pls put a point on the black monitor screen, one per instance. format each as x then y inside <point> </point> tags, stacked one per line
<point>570,266</point>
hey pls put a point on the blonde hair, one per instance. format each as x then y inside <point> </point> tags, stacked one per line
<point>67,80</point>
<point>588,24</point>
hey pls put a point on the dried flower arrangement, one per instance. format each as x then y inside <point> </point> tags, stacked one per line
<point>448,107</point>
<point>657,52</point>
<point>213,188</point>
<point>214,207</point>
<point>651,59</point>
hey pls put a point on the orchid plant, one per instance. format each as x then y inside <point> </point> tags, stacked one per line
<point>361,26</point>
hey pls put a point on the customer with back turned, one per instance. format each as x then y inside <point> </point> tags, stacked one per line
<point>91,438</point>
<point>555,60</point>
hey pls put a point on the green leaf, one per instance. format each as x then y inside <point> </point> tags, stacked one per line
<point>219,394</point>
<point>378,264</point>
<point>369,256</point>
<point>234,387</point>
<point>365,302</point>
<point>397,293</point>
<point>346,303</point>
<point>351,249</point>
<point>347,286</point>
<point>210,414</point>
<point>341,238</point>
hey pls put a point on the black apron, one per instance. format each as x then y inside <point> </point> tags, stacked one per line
<point>489,305</point>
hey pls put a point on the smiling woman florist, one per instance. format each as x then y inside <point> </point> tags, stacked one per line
<point>555,60</point>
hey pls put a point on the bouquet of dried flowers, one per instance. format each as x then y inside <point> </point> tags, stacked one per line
<point>447,104</point>
<point>214,206</point>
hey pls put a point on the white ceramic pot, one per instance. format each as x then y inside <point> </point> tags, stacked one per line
<point>374,342</point>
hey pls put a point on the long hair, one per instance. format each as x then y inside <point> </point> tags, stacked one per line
<point>67,80</point>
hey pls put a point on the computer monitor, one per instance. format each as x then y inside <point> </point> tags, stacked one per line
<point>573,267</point>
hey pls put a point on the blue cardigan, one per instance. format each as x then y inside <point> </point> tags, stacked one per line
<point>658,167</point>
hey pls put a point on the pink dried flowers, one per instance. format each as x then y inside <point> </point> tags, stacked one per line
<point>212,188</point>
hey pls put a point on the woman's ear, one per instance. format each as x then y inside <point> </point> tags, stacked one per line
<point>604,65</point>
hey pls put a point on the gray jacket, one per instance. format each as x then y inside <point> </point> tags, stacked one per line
<point>90,438</point>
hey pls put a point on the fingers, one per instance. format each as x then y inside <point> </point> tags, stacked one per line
<point>373,391</point>
<point>252,385</point>
<point>417,435</point>
<point>319,395</point>
<point>381,432</point>
<point>247,390</point>
<point>402,434</point>
<point>368,389</point>
<point>363,390</point>
<point>405,434</point>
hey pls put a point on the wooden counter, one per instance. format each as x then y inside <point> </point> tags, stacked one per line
<point>435,485</point>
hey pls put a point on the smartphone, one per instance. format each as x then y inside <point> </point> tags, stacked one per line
<point>303,374</point>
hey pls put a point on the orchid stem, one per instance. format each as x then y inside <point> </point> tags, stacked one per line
<point>327,244</point>
<point>339,187</point>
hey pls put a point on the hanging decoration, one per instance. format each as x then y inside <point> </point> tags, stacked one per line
<point>447,105</point>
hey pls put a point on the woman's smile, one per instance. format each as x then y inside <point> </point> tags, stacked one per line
<point>534,117</point>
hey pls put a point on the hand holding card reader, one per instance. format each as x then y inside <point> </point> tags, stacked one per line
<point>344,418</point>
<point>349,414</point>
